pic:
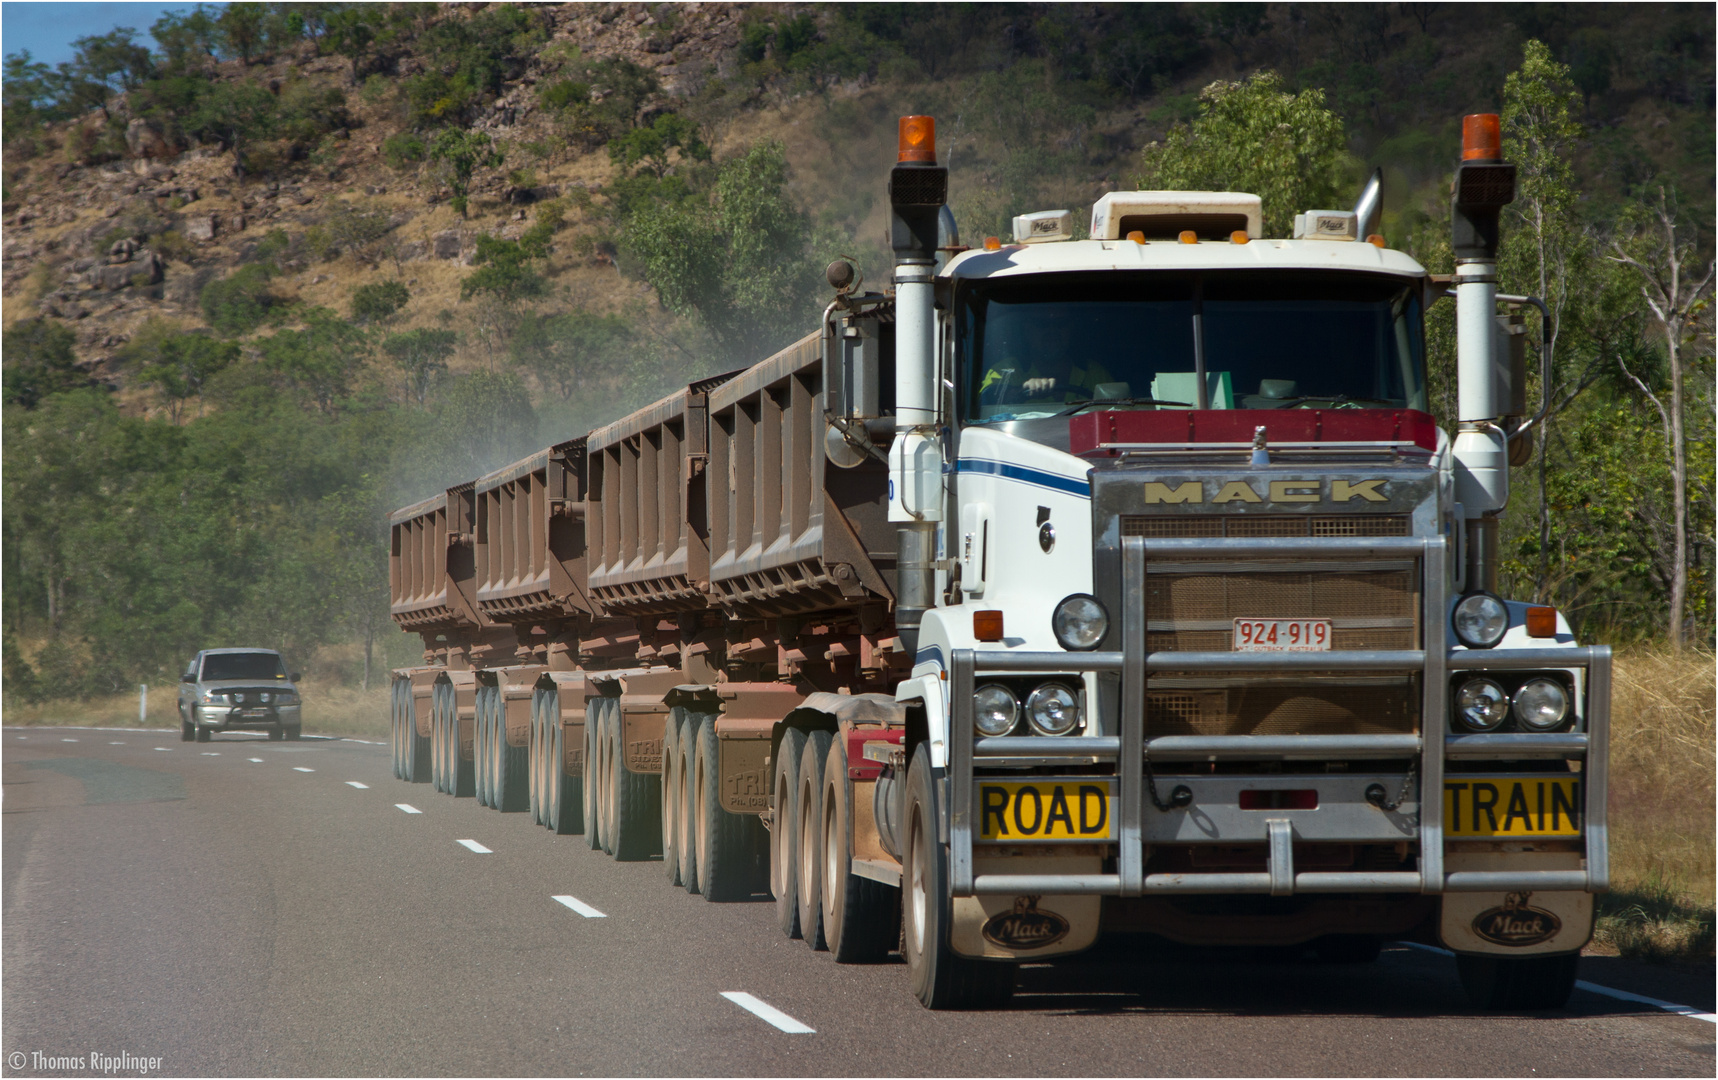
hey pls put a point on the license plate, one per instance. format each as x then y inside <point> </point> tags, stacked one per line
<point>1282,635</point>
<point>1512,806</point>
<point>1072,809</point>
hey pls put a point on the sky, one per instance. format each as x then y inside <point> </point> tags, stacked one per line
<point>48,29</point>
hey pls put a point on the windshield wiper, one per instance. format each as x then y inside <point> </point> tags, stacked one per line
<point>1096,402</point>
<point>1334,399</point>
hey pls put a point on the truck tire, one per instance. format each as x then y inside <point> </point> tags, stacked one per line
<point>1527,982</point>
<point>204,734</point>
<point>727,848</point>
<point>635,801</point>
<point>670,788</point>
<point>591,785</point>
<point>481,747</point>
<point>563,812</point>
<point>686,770</point>
<point>462,774</point>
<point>941,979</point>
<point>605,779</point>
<point>536,749</point>
<point>808,837</point>
<point>417,748</point>
<point>784,829</point>
<point>438,744</point>
<point>861,917</point>
<point>507,782</point>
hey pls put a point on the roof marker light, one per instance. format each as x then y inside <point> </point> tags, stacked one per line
<point>991,243</point>
<point>918,140</point>
<point>1481,138</point>
<point>1136,236</point>
<point>1239,236</point>
<point>1376,239</point>
<point>1188,236</point>
<point>1542,622</point>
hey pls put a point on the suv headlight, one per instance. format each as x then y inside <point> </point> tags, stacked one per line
<point>1480,620</point>
<point>995,709</point>
<point>286,697</point>
<point>1541,704</point>
<point>1481,705</point>
<point>1053,709</point>
<point>1080,622</point>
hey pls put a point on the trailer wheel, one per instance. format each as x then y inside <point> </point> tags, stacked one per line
<point>1527,982</point>
<point>727,846</point>
<point>564,812</point>
<point>507,784</point>
<point>784,829</point>
<point>941,978</point>
<point>592,774</point>
<point>808,837</point>
<point>636,799</point>
<point>415,764</point>
<point>536,749</point>
<point>605,776</point>
<point>686,771</point>
<point>480,748</point>
<point>438,743</point>
<point>861,917</point>
<point>671,795</point>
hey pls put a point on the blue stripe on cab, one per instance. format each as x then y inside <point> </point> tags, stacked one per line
<point>1035,477</point>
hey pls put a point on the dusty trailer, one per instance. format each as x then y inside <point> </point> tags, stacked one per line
<point>1111,585</point>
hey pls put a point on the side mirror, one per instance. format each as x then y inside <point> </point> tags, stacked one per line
<point>295,676</point>
<point>188,677</point>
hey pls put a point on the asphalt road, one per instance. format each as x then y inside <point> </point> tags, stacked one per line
<point>242,907</point>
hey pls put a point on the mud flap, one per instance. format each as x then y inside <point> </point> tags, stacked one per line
<point>1517,923</point>
<point>1027,927</point>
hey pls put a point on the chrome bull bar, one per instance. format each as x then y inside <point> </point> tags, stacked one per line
<point>1134,662</point>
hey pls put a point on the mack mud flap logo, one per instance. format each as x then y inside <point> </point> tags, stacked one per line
<point>1025,927</point>
<point>1516,923</point>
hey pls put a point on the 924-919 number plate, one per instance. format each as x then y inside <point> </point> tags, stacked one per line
<point>1282,635</point>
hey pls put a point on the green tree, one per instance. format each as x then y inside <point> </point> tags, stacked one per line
<point>421,356</point>
<point>741,260</point>
<point>38,361</point>
<point>177,363</point>
<point>1254,136</point>
<point>188,40</point>
<point>235,113</point>
<point>573,352</point>
<point>652,146</point>
<point>320,360</point>
<point>242,27</point>
<point>378,301</point>
<point>462,153</point>
<point>238,303</point>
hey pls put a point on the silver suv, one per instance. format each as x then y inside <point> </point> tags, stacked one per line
<point>236,689</point>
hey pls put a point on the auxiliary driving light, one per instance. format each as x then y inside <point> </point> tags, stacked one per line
<point>1481,705</point>
<point>1541,704</point>
<point>995,710</point>
<point>1080,622</point>
<point>1480,620</point>
<point>1053,709</point>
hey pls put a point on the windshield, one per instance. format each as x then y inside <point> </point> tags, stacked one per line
<point>1039,346</point>
<point>243,665</point>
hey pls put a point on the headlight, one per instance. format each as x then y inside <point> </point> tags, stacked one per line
<point>995,710</point>
<point>1080,622</point>
<point>1541,704</point>
<point>1053,709</point>
<point>1480,620</point>
<point>286,697</point>
<point>1481,705</point>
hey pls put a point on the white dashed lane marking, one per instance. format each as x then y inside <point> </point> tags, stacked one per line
<point>116,742</point>
<point>211,753</point>
<point>579,906</point>
<point>255,759</point>
<point>168,748</point>
<point>356,784</point>
<point>68,740</point>
<point>301,768</point>
<point>408,808</point>
<point>769,1014</point>
<point>474,846</point>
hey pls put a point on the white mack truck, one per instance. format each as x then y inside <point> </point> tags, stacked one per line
<point>1074,587</point>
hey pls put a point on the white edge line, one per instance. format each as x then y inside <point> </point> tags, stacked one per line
<point>408,808</point>
<point>356,784</point>
<point>473,845</point>
<point>579,906</point>
<point>1595,988</point>
<point>769,1014</point>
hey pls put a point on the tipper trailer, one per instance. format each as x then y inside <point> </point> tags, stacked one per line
<point>1116,584</point>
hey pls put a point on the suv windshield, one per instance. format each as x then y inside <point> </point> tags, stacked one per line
<point>243,665</point>
<point>1039,346</point>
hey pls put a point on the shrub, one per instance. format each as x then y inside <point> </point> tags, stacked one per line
<point>38,362</point>
<point>377,301</point>
<point>404,150</point>
<point>238,303</point>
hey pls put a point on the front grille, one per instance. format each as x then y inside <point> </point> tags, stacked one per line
<point>1254,706</point>
<point>1207,526</point>
<point>1192,603</point>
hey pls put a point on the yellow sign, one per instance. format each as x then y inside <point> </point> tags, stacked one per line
<point>1072,809</point>
<point>1536,805</point>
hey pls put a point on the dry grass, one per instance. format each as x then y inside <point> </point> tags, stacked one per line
<point>1661,807</point>
<point>330,708</point>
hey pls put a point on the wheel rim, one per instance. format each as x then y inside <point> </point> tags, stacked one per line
<point>808,857</point>
<point>780,839</point>
<point>831,851</point>
<point>916,903</point>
